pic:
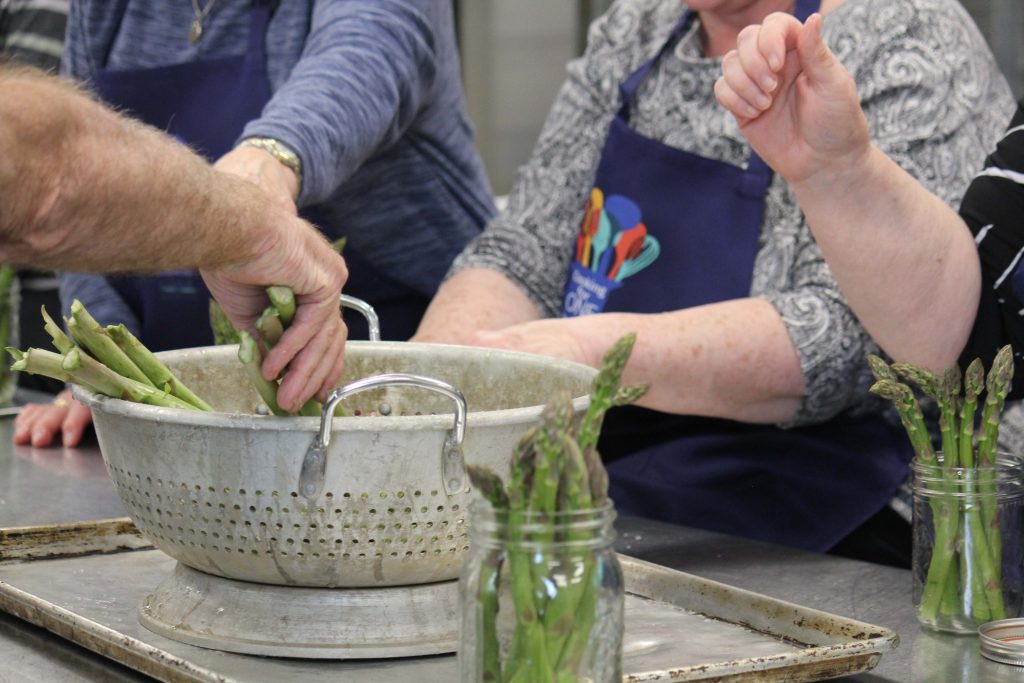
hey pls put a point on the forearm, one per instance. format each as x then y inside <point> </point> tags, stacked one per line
<point>896,250</point>
<point>87,189</point>
<point>472,300</point>
<point>732,359</point>
<point>366,68</point>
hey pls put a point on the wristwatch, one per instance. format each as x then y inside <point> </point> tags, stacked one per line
<point>280,151</point>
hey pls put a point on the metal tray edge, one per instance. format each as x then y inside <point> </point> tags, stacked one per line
<point>103,640</point>
<point>818,661</point>
<point>52,541</point>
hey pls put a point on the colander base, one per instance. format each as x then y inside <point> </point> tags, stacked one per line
<point>209,611</point>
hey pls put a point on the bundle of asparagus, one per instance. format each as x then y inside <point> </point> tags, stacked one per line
<point>556,476</point>
<point>105,360</point>
<point>964,571</point>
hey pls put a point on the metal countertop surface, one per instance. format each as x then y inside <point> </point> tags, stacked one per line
<point>58,485</point>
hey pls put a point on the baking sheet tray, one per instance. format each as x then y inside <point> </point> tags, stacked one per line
<point>679,627</point>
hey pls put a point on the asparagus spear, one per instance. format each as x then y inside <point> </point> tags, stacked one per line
<point>880,369</point>
<point>527,658</point>
<point>87,333</point>
<point>997,386</point>
<point>39,362</point>
<point>490,487</point>
<point>974,379</point>
<point>251,358</point>
<point>944,517</point>
<point>84,369</point>
<point>283,299</point>
<point>996,389</point>
<point>604,391</point>
<point>155,369</point>
<point>60,340</point>
<point>223,331</point>
<point>933,388</point>
<point>910,415</point>
<point>269,326</point>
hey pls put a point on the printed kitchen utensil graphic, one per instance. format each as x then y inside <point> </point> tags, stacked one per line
<point>612,245</point>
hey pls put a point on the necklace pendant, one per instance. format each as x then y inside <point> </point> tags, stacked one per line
<point>195,31</point>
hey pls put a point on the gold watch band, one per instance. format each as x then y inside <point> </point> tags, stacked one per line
<point>280,151</point>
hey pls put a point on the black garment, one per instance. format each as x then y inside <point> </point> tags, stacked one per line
<point>33,32</point>
<point>993,208</point>
<point>886,538</point>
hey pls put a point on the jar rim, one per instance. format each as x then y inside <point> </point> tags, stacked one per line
<point>589,527</point>
<point>933,477</point>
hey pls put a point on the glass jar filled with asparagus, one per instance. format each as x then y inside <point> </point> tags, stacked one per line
<point>968,498</point>
<point>542,593</point>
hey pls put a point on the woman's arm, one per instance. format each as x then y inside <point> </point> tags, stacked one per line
<point>732,359</point>
<point>473,300</point>
<point>904,260</point>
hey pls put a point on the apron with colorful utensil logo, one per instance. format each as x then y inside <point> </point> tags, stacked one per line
<point>665,229</point>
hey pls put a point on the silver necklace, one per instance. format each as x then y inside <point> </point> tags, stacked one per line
<point>195,31</point>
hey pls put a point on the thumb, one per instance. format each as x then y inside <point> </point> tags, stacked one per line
<point>819,64</point>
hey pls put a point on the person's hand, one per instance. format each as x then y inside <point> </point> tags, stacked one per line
<point>556,337</point>
<point>259,167</point>
<point>39,423</point>
<point>295,255</point>
<point>792,98</point>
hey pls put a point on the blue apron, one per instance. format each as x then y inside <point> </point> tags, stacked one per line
<point>206,104</point>
<point>665,229</point>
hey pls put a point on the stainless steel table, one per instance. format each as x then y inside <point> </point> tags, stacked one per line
<point>56,485</point>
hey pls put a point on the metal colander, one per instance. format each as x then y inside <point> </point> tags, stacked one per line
<point>387,501</point>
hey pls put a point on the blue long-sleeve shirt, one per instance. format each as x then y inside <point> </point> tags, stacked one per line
<point>367,92</point>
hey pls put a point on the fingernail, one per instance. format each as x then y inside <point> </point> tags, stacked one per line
<point>769,83</point>
<point>763,102</point>
<point>774,62</point>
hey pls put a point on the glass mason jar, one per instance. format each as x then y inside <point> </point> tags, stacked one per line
<point>541,598</point>
<point>10,299</point>
<point>968,526</point>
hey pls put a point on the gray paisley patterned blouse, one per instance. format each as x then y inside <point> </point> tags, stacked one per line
<point>934,98</point>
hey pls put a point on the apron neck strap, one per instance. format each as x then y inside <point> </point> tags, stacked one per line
<point>758,175</point>
<point>629,87</point>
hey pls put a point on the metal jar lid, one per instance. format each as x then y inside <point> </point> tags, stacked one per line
<point>1003,641</point>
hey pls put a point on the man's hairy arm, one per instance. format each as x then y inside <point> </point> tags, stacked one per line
<point>83,188</point>
<point>86,188</point>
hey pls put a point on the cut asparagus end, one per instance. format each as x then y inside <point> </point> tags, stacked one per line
<point>61,342</point>
<point>38,362</point>
<point>154,369</point>
<point>87,332</point>
<point>283,299</point>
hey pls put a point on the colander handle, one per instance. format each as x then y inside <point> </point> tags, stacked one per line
<point>372,321</point>
<point>453,465</point>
